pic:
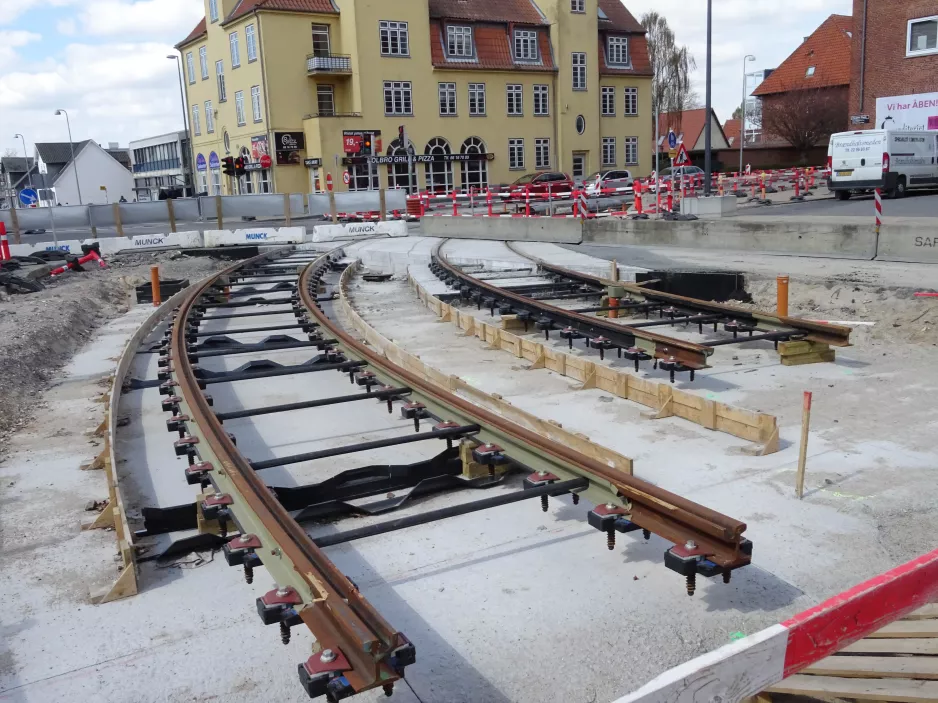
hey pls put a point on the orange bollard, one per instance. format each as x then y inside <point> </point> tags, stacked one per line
<point>613,308</point>
<point>781,307</point>
<point>155,285</point>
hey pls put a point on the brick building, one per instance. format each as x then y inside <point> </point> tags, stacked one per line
<point>894,73</point>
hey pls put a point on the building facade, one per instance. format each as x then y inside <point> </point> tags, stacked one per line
<point>483,91</point>
<point>94,176</point>
<point>894,72</point>
<point>161,165</point>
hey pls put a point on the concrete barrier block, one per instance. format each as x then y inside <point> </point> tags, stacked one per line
<point>908,243</point>
<point>354,230</point>
<point>255,235</point>
<point>560,230</point>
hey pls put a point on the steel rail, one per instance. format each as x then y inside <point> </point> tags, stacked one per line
<point>671,516</point>
<point>834,335</point>
<point>331,606</point>
<point>691,355</point>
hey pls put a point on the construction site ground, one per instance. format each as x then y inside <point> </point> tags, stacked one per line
<point>505,605</point>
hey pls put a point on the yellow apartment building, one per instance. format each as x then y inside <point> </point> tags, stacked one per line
<point>482,92</point>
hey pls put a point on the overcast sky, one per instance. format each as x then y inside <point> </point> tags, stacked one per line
<point>104,61</point>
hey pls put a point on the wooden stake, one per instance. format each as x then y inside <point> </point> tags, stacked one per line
<point>332,209</point>
<point>286,209</point>
<point>803,455</point>
<point>218,213</point>
<point>383,206</point>
<point>15,221</point>
<point>117,219</point>
<point>171,212</point>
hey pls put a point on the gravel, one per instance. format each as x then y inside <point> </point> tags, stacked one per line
<point>40,332</point>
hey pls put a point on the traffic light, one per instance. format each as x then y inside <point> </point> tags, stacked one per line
<point>228,166</point>
<point>239,167</point>
<point>367,144</point>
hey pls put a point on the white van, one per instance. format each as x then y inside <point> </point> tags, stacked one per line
<point>892,161</point>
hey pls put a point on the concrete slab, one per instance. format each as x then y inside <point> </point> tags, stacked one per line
<point>513,229</point>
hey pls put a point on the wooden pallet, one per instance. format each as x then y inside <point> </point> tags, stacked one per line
<point>896,663</point>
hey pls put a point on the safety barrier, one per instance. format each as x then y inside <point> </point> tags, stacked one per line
<point>664,399</point>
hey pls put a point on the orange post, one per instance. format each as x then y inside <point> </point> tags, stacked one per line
<point>781,307</point>
<point>155,285</point>
<point>613,308</point>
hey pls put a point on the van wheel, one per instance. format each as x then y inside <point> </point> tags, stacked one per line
<point>842,194</point>
<point>900,189</point>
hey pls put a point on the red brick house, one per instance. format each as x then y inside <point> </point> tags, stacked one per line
<point>894,73</point>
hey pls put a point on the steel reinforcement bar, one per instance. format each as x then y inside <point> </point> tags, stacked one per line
<point>689,355</point>
<point>833,335</point>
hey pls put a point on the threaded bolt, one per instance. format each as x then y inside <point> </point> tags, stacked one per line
<point>248,573</point>
<point>691,583</point>
<point>611,538</point>
<point>284,632</point>
<point>544,503</point>
<point>726,576</point>
<point>576,498</point>
<point>646,534</point>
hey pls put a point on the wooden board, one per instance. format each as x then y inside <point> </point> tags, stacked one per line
<point>893,646</point>
<point>908,628</point>
<point>928,612</point>
<point>900,691</point>
<point>876,667</point>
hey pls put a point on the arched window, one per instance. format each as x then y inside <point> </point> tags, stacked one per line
<point>475,173</point>
<point>246,182</point>
<point>399,172</point>
<point>439,172</point>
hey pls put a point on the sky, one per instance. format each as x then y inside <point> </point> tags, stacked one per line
<point>104,61</point>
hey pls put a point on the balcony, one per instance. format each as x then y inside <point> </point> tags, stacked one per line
<point>328,64</point>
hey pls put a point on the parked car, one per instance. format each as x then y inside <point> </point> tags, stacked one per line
<point>677,172</point>
<point>597,182</point>
<point>543,183</point>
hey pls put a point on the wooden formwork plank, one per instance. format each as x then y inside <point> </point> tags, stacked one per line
<point>897,691</point>
<point>928,612</point>
<point>907,628</point>
<point>893,646</point>
<point>876,667</point>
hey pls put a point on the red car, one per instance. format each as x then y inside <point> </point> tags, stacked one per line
<point>541,184</point>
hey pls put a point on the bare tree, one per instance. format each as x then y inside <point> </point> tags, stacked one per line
<point>9,153</point>
<point>804,118</point>
<point>671,65</point>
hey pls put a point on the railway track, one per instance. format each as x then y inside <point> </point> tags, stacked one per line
<point>260,524</point>
<point>618,301</point>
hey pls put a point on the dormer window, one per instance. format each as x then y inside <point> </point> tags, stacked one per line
<point>617,51</point>
<point>810,72</point>
<point>525,45</point>
<point>459,42</point>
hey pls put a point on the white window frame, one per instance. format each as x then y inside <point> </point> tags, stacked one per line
<point>322,90</point>
<point>220,81</point>
<point>615,48</point>
<point>399,31</point>
<point>239,108</point>
<point>909,52</point>
<point>477,99</point>
<point>320,31</point>
<point>609,151</point>
<point>631,102</point>
<point>514,100</point>
<point>399,91</point>
<point>578,6</point>
<point>256,103</point>
<point>203,182</point>
<point>459,43</point>
<point>250,39</point>
<point>525,45</point>
<point>631,151</point>
<point>516,154</point>
<point>607,101</point>
<point>447,96</point>
<point>542,101</point>
<point>235,49</point>
<point>209,118</point>
<point>578,62</point>
<point>213,10</point>
<point>190,67</point>
<point>196,122</point>
<point>203,60</point>
<point>542,153</point>
<point>216,181</point>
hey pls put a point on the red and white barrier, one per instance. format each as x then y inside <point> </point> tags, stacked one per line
<point>752,664</point>
<point>4,244</point>
<point>878,201</point>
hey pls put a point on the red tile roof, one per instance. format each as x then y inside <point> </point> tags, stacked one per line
<point>638,52</point>
<point>828,50</point>
<point>245,7</point>
<point>517,11</point>
<point>493,51</point>
<point>731,130</point>
<point>199,31</point>
<point>689,123</point>
<point>619,18</point>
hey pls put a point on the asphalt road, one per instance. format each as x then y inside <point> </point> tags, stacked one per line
<point>916,204</point>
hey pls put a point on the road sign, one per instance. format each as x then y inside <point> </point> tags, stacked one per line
<point>346,178</point>
<point>682,158</point>
<point>265,161</point>
<point>329,181</point>
<point>29,197</point>
<point>672,154</point>
<point>672,140</point>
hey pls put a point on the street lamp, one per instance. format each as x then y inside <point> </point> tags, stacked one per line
<point>187,173</point>
<point>29,173</point>
<point>742,121</point>
<point>708,140</point>
<point>71,147</point>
